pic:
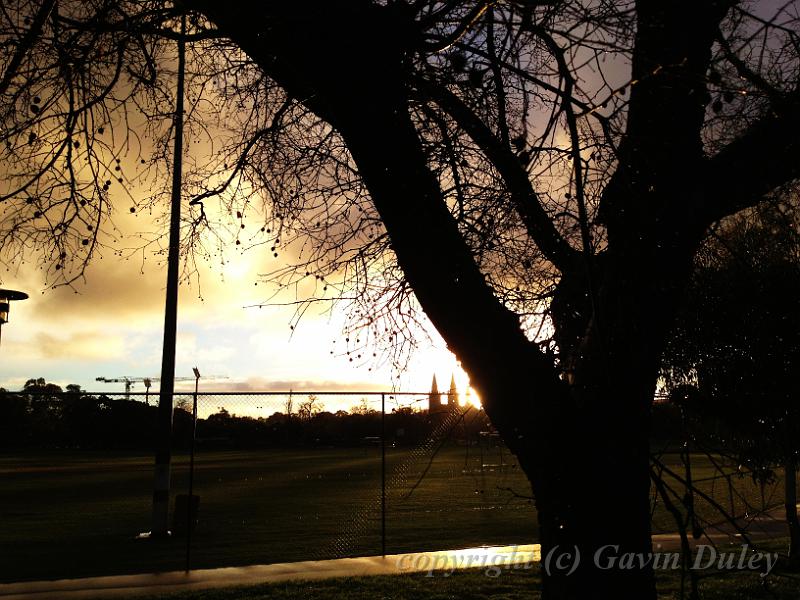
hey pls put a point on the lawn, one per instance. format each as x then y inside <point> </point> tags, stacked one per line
<point>72,514</point>
<point>75,514</point>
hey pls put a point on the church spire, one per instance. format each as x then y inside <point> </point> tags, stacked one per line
<point>434,398</point>
<point>452,395</point>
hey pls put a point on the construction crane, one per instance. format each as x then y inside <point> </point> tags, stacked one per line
<point>129,381</point>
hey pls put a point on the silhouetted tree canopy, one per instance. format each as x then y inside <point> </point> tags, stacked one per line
<point>535,176</point>
<point>734,354</point>
<point>736,341</point>
<point>43,416</point>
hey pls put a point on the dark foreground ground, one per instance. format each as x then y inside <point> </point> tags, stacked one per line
<point>76,514</point>
<point>475,584</point>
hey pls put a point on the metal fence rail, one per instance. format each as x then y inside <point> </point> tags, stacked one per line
<point>279,476</point>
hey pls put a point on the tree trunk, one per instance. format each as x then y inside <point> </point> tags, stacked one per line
<point>583,445</point>
<point>594,522</point>
<point>596,498</point>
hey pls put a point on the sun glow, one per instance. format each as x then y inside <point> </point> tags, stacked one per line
<point>446,367</point>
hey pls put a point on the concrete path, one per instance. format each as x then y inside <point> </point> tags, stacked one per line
<point>159,583</point>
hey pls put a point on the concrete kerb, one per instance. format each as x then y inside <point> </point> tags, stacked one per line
<point>175,581</point>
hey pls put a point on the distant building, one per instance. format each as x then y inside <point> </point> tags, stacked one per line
<point>452,395</point>
<point>435,405</point>
<point>434,398</point>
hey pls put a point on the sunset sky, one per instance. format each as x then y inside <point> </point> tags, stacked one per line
<point>111,326</point>
<point>230,324</point>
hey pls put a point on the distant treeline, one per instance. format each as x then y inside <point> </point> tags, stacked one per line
<point>43,415</point>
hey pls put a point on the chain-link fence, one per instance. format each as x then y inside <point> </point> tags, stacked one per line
<point>279,477</point>
<point>286,476</point>
<point>716,495</point>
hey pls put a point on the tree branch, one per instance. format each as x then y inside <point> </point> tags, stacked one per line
<point>762,159</point>
<point>26,43</point>
<point>537,222</point>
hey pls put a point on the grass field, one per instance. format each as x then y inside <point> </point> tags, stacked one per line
<point>74,514</point>
<point>68,514</point>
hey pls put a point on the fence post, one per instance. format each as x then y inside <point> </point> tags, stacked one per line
<point>730,493</point>
<point>383,474</point>
<point>189,515</point>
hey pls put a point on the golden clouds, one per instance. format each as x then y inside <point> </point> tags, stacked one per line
<point>86,345</point>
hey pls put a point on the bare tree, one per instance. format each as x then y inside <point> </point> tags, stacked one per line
<point>309,408</point>
<point>289,406</point>
<point>535,176</point>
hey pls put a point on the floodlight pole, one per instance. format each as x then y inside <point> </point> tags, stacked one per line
<point>383,475</point>
<point>160,525</point>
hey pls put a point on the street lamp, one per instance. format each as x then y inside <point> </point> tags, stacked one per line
<point>6,297</point>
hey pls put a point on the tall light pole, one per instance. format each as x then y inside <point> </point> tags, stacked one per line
<point>161,483</point>
<point>6,298</point>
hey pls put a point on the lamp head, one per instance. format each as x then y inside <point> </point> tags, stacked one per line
<point>6,297</point>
